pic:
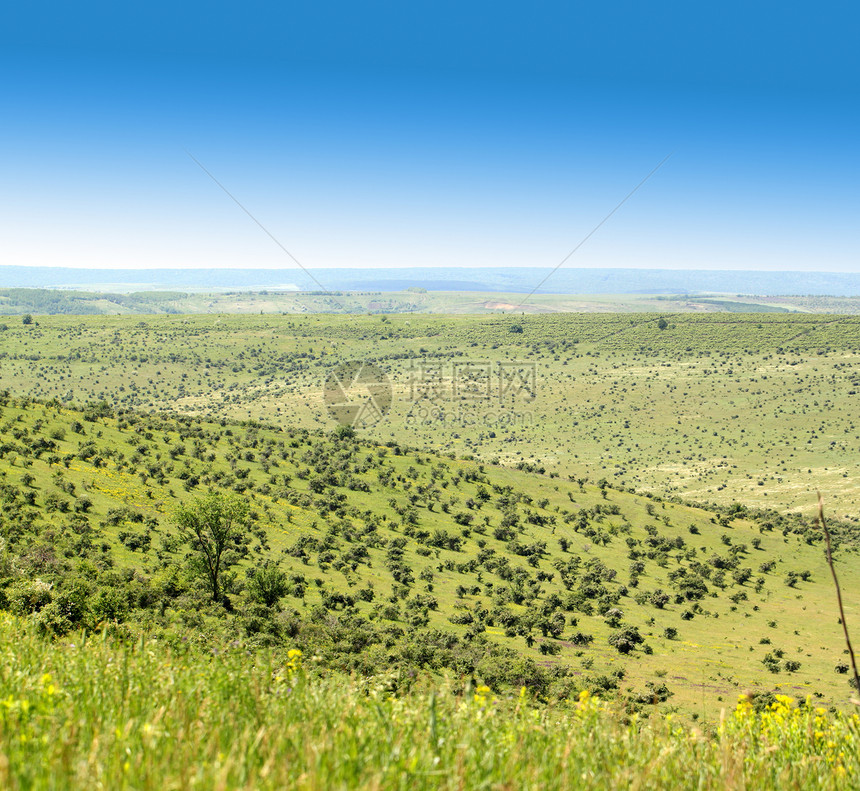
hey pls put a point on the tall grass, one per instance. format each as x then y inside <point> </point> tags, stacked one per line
<point>98,715</point>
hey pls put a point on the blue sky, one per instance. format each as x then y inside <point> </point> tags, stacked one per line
<point>431,134</point>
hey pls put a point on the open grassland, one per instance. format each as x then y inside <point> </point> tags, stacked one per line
<point>89,714</point>
<point>762,409</point>
<point>395,558</point>
<point>20,301</point>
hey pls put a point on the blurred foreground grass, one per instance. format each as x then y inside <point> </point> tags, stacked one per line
<point>99,715</point>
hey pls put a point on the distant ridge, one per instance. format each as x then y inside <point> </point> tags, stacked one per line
<point>508,280</point>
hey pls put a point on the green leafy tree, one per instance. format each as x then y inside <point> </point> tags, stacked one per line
<point>212,525</point>
<point>268,585</point>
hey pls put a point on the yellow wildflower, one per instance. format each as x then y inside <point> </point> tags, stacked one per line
<point>482,694</point>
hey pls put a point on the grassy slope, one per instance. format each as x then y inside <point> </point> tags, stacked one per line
<point>762,409</point>
<point>716,654</point>
<point>146,717</point>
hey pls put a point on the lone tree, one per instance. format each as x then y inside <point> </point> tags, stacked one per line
<point>212,525</point>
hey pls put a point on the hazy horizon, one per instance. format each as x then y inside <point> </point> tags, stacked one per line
<point>537,267</point>
<point>543,280</point>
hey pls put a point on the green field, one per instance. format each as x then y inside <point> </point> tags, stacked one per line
<point>387,550</point>
<point>759,408</point>
<point>20,301</point>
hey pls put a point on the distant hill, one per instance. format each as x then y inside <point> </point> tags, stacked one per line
<point>510,279</point>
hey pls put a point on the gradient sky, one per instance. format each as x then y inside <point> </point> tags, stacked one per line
<point>431,134</point>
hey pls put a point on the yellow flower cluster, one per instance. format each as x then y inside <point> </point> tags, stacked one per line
<point>294,655</point>
<point>588,703</point>
<point>12,704</point>
<point>48,686</point>
<point>44,699</point>
<point>293,666</point>
<point>802,728</point>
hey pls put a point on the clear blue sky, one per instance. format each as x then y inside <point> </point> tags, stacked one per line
<point>431,134</point>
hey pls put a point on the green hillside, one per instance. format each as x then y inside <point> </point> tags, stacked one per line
<point>761,409</point>
<point>402,559</point>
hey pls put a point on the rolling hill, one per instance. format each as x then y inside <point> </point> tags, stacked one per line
<point>399,558</point>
